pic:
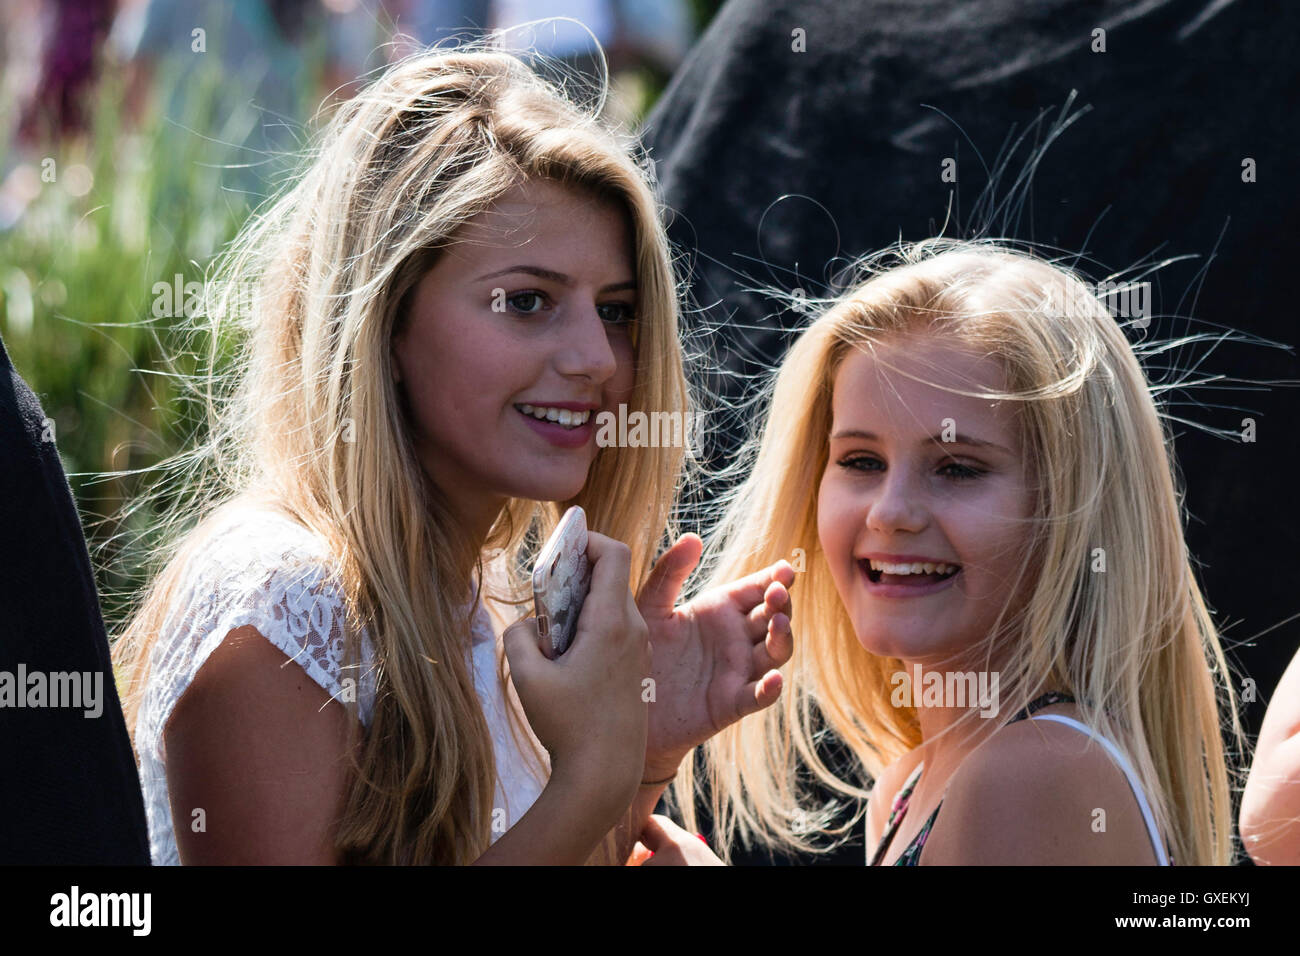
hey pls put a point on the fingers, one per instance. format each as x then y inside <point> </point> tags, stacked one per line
<point>771,653</point>
<point>656,835</point>
<point>769,625</point>
<point>659,594</point>
<point>608,595</point>
<point>777,597</point>
<point>611,561</point>
<point>609,608</point>
<point>750,590</point>
<point>661,832</point>
<point>758,694</point>
<point>777,648</point>
<point>640,853</point>
<point>522,643</point>
<point>774,600</point>
<point>673,846</point>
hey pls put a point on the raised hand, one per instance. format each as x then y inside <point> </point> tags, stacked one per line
<point>714,659</point>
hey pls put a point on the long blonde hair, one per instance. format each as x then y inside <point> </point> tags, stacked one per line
<point>304,414</point>
<point>1135,645</point>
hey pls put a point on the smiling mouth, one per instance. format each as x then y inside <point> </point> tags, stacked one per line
<point>556,416</point>
<point>908,575</point>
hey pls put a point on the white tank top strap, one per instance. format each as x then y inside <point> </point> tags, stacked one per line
<point>1162,858</point>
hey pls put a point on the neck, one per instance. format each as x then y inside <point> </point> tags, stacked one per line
<point>947,738</point>
<point>958,710</point>
<point>958,703</point>
<point>471,508</point>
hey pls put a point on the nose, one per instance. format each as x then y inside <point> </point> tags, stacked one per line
<point>584,349</point>
<point>897,506</point>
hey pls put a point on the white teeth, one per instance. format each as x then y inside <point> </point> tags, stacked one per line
<point>913,568</point>
<point>562,416</point>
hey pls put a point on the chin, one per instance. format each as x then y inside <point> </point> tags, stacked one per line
<point>547,488</point>
<point>882,643</point>
<point>905,646</point>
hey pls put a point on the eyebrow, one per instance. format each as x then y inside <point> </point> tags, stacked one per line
<point>936,438</point>
<point>554,276</point>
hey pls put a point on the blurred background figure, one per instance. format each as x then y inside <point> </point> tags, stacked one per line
<point>70,793</point>
<point>643,41</point>
<point>249,73</point>
<point>276,58</point>
<point>64,37</point>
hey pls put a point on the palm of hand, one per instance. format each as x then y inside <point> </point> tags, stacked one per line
<point>714,659</point>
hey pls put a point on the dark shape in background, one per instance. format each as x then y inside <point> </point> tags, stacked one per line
<point>69,791</point>
<point>1185,91</point>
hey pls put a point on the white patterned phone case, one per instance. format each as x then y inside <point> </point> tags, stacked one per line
<point>561,579</point>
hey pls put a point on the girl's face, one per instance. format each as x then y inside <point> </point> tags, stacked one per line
<point>920,479</point>
<point>515,340</point>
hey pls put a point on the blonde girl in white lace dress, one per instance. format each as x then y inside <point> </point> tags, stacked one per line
<point>425,327</point>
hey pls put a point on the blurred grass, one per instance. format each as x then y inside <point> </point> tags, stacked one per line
<point>127,208</point>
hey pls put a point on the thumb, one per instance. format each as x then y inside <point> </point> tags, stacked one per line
<point>660,591</point>
<point>522,644</point>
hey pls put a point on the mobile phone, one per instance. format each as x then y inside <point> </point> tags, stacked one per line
<point>561,579</point>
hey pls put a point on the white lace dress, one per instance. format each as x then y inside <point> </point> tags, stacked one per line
<point>263,569</point>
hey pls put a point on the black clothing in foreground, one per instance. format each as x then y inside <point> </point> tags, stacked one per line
<point>69,790</point>
<point>856,130</point>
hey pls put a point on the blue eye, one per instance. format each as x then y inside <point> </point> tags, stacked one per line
<point>961,472</point>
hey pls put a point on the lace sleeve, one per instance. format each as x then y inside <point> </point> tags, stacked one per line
<point>273,574</point>
<point>257,568</point>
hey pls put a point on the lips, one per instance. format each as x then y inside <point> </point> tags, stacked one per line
<point>885,584</point>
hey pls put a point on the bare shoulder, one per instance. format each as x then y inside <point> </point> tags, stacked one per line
<point>1271,801</point>
<point>1040,793</point>
<point>256,758</point>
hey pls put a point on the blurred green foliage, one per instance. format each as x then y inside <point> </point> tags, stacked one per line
<point>111,215</point>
